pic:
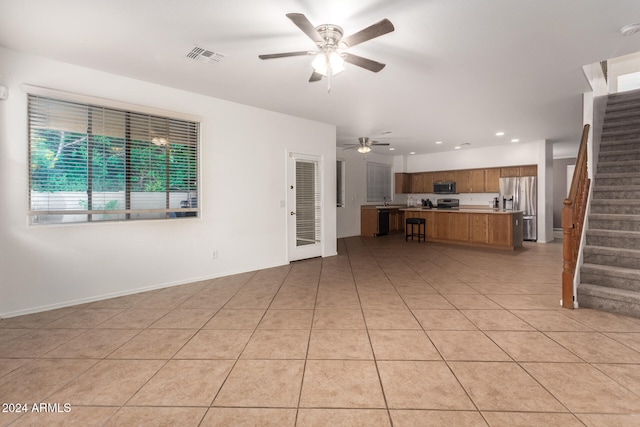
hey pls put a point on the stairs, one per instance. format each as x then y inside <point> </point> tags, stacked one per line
<point>610,274</point>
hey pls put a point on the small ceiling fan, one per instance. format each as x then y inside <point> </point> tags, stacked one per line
<point>331,53</point>
<point>364,145</point>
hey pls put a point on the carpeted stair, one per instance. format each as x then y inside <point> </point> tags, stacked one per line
<point>610,274</point>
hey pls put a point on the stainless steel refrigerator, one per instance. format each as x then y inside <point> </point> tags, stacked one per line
<point>521,194</point>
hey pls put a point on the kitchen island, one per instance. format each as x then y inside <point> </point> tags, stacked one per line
<point>497,228</point>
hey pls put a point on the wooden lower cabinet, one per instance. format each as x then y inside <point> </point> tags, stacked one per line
<point>442,225</point>
<point>479,228</point>
<point>501,232</point>
<point>459,227</point>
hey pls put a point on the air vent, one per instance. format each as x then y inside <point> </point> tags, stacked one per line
<point>204,55</point>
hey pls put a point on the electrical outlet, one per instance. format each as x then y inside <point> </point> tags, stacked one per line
<point>214,254</point>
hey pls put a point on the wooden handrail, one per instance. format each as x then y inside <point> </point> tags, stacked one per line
<point>573,213</point>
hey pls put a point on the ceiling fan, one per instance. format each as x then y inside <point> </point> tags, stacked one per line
<point>364,145</point>
<point>331,53</point>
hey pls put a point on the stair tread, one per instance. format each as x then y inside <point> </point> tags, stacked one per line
<point>615,216</point>
<point>632,187</point>
<point>606,289</point>
<point>617,175</point>
<point>611,269</point>
<point>603,231</point>
<point>620,152</point>
<point>619,163</point>
<point>635,253</point>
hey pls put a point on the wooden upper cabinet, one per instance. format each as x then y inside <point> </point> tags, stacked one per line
<point>509,172</point>
<point>416,183</point>
<point>476,181</point>
<point>492,180</point>
<point>427,182</point>
<point>403,183</point>
<point>449,175</point>
<point>462,181</point>
<point>530,170</point>
<point>444,176</point>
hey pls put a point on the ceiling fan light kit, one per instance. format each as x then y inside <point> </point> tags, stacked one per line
<point>331,54</point>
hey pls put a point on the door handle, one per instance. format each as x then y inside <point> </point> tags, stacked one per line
<point>292,213</point>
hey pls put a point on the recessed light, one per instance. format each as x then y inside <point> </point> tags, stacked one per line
<point>457,147</point>
<point>515,140</point>
<point>438,142</point>
<point>413,152</point>
<point>500,133</point>
<point>391,149</point>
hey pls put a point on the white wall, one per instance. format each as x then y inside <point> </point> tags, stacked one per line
<point>538,152</point>
<point>243,181</point>
<point>355,188</point>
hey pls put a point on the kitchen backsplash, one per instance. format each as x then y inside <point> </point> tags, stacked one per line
<point>469,199</point>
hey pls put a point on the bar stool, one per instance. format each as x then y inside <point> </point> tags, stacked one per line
<point>420,222</point>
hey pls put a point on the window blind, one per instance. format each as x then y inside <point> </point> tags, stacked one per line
<point>340,183</point>
<point>378,182</point>
<point>308,203</point>
<point>94,163</point>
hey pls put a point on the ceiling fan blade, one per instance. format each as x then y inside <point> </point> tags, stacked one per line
<point>315,77</point>
<point>351,148</point>
<point>307,27</point>
<point>376,30</point>
<point>380,143</point>
<point>363,62</point>
<point>285,54</point>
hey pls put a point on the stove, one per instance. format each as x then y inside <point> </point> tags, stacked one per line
<point>448,204</point>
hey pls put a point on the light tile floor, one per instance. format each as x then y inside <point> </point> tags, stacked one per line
<point>386,333</point>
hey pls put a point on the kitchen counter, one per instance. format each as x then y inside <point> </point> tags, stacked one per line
<point>461,210</point>
<point>475,226</point>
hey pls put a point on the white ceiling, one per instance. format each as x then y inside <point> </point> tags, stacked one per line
<point>457,71</point>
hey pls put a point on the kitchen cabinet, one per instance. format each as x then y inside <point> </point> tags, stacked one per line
<point>396,220</point>
<point>462,181</point>
<point>459,227</point>
<point>441,224</point>
<point>427,182</point>
<point>530,170</point>
<point>479,228</point>
<point>500,230</point>
<point>369,219</point>
<point>492,180</point>
<point>402,183</point>
<point>474,227</point>
<point>416,183</point>
<point>444,176</point>
<point>476,179</point>
<point>509,172</point>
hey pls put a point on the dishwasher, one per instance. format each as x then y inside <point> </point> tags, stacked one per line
<point>383,222</point>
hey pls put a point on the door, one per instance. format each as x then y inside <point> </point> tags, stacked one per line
<point>304,202</point>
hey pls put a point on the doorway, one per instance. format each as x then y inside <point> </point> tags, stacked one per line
<point>304,200</point>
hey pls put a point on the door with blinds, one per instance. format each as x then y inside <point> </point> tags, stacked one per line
<point>304,200</point>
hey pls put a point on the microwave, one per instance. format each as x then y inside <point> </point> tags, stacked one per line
<point>444,187</point>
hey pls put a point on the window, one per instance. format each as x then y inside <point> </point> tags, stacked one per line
<point>628,82</point>
<point>94,163</point>
<point>378,182</point>
<point>340,183</point>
